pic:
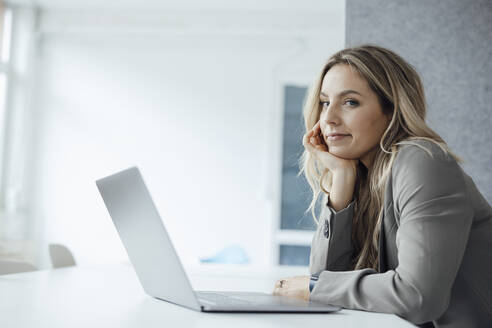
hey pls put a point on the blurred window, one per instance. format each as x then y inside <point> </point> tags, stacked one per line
<point>295,225</point>
<point>294,255</point>
<point>296,193</point>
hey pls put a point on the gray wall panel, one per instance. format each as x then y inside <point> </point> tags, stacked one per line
<point>449,43</point>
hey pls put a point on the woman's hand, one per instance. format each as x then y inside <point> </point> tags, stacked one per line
<point>297,287</point>
<point>315,144</point>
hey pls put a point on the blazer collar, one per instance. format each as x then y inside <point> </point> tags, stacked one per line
<point>387,215</point>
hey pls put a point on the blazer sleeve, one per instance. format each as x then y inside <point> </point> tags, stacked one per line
<point>435,219</point>
<point>331,247</point>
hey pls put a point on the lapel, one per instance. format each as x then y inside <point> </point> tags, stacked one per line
<point>387,224</point>
<point>382,261</point>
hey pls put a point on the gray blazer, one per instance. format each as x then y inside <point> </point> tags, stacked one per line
<point>435,247</point>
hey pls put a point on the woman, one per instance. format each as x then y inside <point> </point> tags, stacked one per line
<point>402,228</point>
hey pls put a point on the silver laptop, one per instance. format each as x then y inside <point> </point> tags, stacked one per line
<point>156,263</point>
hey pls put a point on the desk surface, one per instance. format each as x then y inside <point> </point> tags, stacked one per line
<point>112,297</point>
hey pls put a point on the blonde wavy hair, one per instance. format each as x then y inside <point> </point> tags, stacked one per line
<point>401,94</point>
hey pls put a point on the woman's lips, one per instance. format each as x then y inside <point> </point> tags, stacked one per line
<point>337,137</point>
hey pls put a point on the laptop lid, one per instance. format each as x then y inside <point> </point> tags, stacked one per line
<point>145,239</point>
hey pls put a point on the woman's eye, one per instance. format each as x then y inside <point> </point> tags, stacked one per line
<point>351,102</point>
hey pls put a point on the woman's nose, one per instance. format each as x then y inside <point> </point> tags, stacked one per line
<point>331,115</point>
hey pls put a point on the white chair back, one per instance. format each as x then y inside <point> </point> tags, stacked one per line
<point>61,256</point>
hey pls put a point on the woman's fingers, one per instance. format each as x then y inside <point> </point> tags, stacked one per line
<point>313,140</point>
<point>318,133</point>
<point>314,130</point>
<point>278,288</point>
<point>314,148</point>
<point>306,141</point>
<point>309,143</point>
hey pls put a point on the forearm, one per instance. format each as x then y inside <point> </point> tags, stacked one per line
<point>371,291</point>
<point>342,189</point>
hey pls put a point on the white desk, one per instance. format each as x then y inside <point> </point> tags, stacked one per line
<point>112,297</point>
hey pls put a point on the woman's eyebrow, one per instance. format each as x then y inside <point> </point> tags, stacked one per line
<point>341,94</point>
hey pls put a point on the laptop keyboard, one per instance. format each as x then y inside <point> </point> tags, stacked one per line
<point>214,298</point>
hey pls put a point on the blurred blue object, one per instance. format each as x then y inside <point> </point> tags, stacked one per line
<point>230,254</point>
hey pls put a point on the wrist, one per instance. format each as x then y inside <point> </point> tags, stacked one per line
<point>348,167</point>
<point>312,281</point>
<point>346,175</point>
<point>342,190</point>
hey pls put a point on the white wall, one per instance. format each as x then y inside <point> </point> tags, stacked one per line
<point>19,233</point>
<point>195,103</point>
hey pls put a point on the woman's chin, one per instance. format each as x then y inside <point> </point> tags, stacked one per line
<point>341,153</point>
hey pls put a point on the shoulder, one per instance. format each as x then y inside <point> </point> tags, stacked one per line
<point>422,166</point>
<point>421,150</point>
<point>421,155</point>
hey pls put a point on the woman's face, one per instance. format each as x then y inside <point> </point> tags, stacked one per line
<point>350,107</point>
